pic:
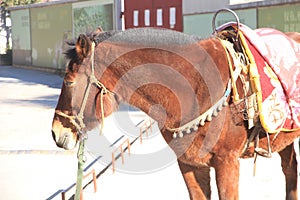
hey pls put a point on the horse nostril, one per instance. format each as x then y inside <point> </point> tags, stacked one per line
<point>53,135</point>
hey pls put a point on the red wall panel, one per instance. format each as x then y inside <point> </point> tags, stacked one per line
<point>139,6</point>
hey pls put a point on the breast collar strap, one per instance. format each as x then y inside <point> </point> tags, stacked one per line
<point>222,102</point>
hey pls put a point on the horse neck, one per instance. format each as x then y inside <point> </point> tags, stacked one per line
<point>171,88</point>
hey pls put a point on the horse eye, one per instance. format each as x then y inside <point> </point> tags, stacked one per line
<point>69,83</point>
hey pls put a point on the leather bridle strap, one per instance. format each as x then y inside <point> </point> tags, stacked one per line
<point>70,118</point>
<point>77,120</point>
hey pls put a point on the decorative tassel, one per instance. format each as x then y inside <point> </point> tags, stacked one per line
<point>180,134</point>
<point>225,103</point>
<point>220,107</point>
<point>195,127</point>
<point>188,131</point>
<point>202,122</point>
<point>215,113</point>
<point>174,135</point>
<point>209,117</point>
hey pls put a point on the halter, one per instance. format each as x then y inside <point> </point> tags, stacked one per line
<point>77,120</point>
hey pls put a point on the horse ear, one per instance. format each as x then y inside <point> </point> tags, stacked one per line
<point>96,32</point>
<point>83,46</point>
<point>99,30</point>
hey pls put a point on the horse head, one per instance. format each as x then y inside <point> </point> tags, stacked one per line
<point>84,101</point>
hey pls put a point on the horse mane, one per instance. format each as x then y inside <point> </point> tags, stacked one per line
<point>153,37</point>
<point>150,37</point>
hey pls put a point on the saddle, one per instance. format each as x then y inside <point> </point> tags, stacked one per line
<point>273,67</point>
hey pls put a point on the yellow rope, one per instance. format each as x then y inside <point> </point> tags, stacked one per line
<point>71,118</point>
<point>102,111</point>
<point>225,45</point>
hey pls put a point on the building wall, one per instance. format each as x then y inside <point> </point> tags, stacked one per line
<point>153,13</point>
<point>202,6</point>
<point>49,27</point>
<point>283,15</point>
<point>201,24</point>
<point>240,4</point>
<point>40,31</point>
<point>285,18</point>
<point>21,38</point>
<point>87,16</point>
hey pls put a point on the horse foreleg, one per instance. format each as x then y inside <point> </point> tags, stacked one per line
<point>289,168</point>
<point>227,176</point>
<point>197,181</point>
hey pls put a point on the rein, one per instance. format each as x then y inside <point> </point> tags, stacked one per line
<point>77,121</point>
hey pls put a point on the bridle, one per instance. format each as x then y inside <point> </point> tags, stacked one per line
<point>77,120</point>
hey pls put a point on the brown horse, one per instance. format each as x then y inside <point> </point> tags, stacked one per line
<point>174,78</point>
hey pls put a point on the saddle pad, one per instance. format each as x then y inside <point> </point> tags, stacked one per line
<point>278,64</point>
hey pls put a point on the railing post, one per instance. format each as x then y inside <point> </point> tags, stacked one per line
<point>150,125</point>
<point>113,162</point>
<point>128,146</point>
<point>122,154</point>
<point>63,196</point>
<point>141,135</point>
<point>94,179</point>
<point>63,193</point>
<point>146,129</point>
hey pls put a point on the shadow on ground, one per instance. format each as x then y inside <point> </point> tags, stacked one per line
<point>31,77</point>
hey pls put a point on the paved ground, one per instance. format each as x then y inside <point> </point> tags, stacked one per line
<point>32,167</point>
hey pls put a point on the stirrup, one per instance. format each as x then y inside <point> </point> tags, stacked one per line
<point>260,151</point>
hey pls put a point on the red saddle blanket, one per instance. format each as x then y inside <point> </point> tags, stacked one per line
<point>278,63</point>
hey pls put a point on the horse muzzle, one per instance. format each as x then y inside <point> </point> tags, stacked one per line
<point>64,137</point>
<point>64,141</point>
